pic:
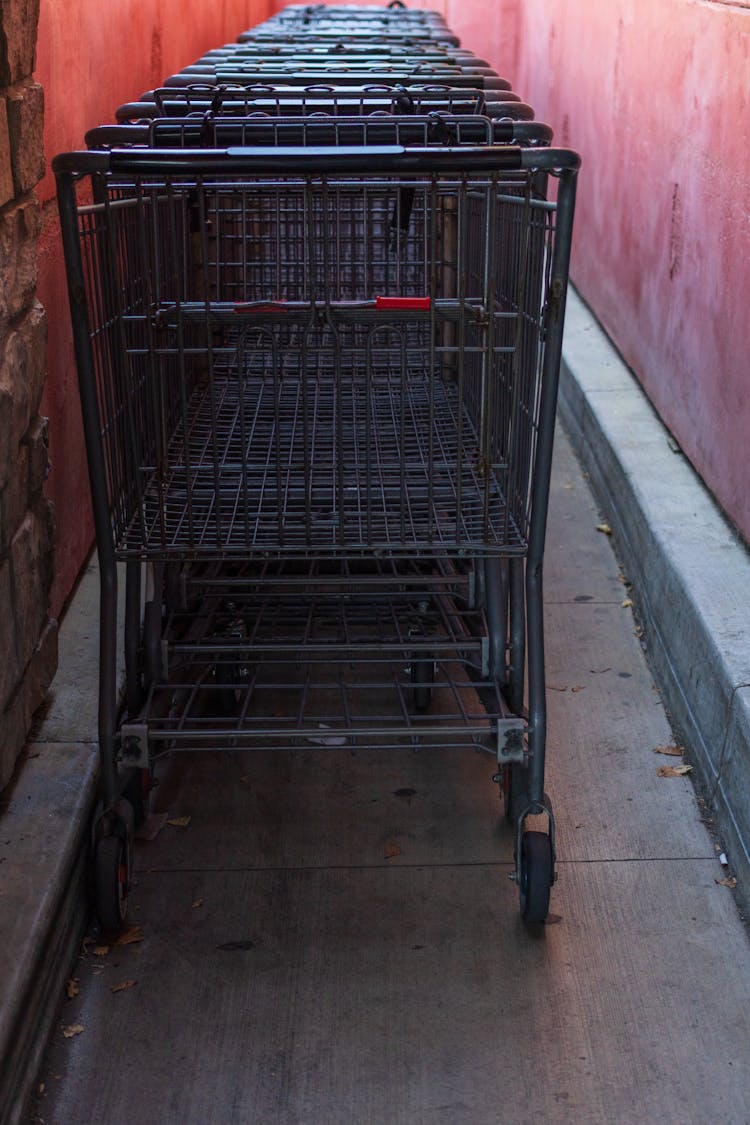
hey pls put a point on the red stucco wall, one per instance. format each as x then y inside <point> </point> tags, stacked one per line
<point>91,56</point>
<point>656,96</point>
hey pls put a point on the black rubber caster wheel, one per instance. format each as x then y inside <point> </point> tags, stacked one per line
<point>535,876</point>
<point>422,679</point>
<point>111,882</point>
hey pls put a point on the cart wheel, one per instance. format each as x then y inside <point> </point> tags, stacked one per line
<point>111,876</point>
<point>422,678</point>
<point>535,876</point>
<point>514,792</point>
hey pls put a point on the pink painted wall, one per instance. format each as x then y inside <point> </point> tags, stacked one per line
<point>91,56</point>
<point>656,97</point>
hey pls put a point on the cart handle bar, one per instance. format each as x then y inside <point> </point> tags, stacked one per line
<point>333,160</point>
<point>127,135</point>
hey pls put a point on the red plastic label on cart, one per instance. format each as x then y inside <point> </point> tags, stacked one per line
<point>402,302</point>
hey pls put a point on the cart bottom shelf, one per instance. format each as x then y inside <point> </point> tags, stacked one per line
<point>353,662</point>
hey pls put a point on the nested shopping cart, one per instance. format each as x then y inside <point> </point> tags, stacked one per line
<point>238,100</point>
<point>318,388</point>
<point>318,21</point>
<point>219,130</point>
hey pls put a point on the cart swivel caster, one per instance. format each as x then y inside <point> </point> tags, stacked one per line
<point>535,876</point>
<point>112,868</point>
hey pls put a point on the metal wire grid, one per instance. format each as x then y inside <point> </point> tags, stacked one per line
<point>235,68</point>
<point>212,132</point>
<point>401,433</point>
<point>423,51</point>
<point>348,34</point>
<point>338,25</point>
<point>324,242</point>
<point>330,659</point>
<point>367,460</point>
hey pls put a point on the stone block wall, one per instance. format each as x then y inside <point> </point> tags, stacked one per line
<point>28,637</point>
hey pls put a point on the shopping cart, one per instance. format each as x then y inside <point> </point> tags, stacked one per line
<point>315,19</point>
<point>228,66</point>
<point>285,51</point>
<point>367,100</point>
<point>211,130</point>
<point>318,388</point>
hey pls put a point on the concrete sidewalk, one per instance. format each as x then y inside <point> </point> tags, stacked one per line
<point>332,938</point>
<point>319,981</point>
<point>689,571</point>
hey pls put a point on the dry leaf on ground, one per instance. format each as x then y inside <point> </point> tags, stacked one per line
<point>727,881</point>
<point>123,986</point>
<point>130,937</point>
<point>672,751</point>
<point>197,904</point>
<point>179,821</point>
<point>72,1030</point>
<point>604,528</point>
<point>674,771</point>
<point>627,603</point>
<point>100,950</point>
<point>392,850</point>
<point>71,988</point>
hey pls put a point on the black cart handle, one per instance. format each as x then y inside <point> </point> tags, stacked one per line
<point>396,160</point>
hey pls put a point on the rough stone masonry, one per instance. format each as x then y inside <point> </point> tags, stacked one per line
<point>28,638</point>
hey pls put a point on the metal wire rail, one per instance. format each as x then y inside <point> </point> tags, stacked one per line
<point>324,657</point>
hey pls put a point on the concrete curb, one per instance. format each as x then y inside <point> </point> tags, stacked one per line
<point>44,905</point>
<point>689,570</point>
<point>45,813</point>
